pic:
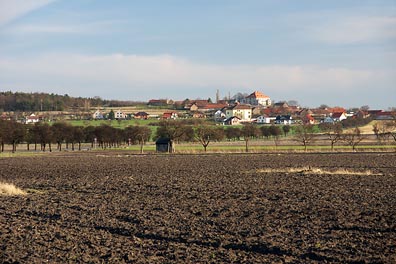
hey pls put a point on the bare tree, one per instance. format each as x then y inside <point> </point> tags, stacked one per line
<point>58,131</point>
<point>11,133</point>
<point>304,134</point>
<point>3,133</point>
<point>382,131</point>
<point>248,131</point>
<point>173,130</point>
<point>275,132</point>
<point>205,134</point>
<point>332,132</point>
<point>43,135</point>
<point>353,138</point>
<point>78,136</point>
<point>286,129</point>
<point>391,126</point>
<point>141,134</point>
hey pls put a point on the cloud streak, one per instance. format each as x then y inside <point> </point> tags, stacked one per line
<point>98,27</point>
<point>143,77</point>
<point>344,29</point>
<point>357,30</point>
<point>13,9</point>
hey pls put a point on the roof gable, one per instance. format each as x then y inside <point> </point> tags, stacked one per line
<point>257,94</point>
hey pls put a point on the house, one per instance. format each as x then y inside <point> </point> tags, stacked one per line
<point>193,107</point>
<point>281,105</point>
<point>163,145</point>
<point>198,114</point>
<point>141,115</point>
<point>385,115</point>
<point>338,116</point>
<point>257,98</point>
<point>328,120</point>
<point>119,115</point>
<point>243,112</point>
<point>257,110</point>
<point>211,107</point>
<point>97,115</point>
<point>283,120</point>
<point>233,120</point>
<point>264,119</point>
<point>170,115</point>
<point>219,115</point>
<point>374,113</point>
<point>308,119</point>
<point>32,119</point>
<point>203,106</point>
<point>361,114</point>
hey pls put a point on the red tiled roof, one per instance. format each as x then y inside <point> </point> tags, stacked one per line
<point>309,117</point>
<point>336,109</point>
<point>337,115</point>
<point>257,94</point>
<point>214,106</point>
<point>241,107</point>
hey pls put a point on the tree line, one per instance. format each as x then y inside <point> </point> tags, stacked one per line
<point>43,136</point>
<point>35,102</point>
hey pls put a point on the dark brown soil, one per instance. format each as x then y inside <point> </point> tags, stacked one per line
<point>198,208</point>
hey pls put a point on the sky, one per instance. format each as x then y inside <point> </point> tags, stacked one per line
<point>338,53</point>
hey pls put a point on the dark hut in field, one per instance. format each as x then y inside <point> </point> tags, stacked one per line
<point>163,145</point>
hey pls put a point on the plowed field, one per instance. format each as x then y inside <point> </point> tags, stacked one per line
<point>200,208</point>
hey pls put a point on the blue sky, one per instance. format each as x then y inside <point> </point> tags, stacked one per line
<point>339,53</point>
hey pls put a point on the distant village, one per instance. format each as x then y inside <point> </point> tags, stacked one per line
<point>256,107</point>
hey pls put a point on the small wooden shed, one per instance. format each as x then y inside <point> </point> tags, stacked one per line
<point>163,145</point>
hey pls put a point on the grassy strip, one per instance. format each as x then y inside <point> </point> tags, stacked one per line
<point>218,147</point>
<point>10,189</point>
<point>313,170</point>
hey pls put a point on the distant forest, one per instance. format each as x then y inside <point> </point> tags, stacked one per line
<point>34,102</point>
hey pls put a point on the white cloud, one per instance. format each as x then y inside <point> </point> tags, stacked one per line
<point>351,30</point>
<point>343,27</point>
<point>97,27</point>
<point>144,77</point>
<point>31,29</point>
<point>13,9</point>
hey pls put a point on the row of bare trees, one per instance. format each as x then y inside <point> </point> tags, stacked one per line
<point>333,133</point>
<point>205,134</point>
<point>61,134</point>
<point>385,131</point>
<point>105,136</point>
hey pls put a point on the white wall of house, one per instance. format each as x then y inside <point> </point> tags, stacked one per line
<point>264,120</point>
<point>258,101</point>
<point>243,114</point>
<point>97,115</point>
<point>32,119</point>
<point>120,115</point>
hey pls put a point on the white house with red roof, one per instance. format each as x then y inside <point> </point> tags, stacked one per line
<point>170,115</point>
<point>338,116</point>
<point>32,119</point>
<point>257,98</point>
